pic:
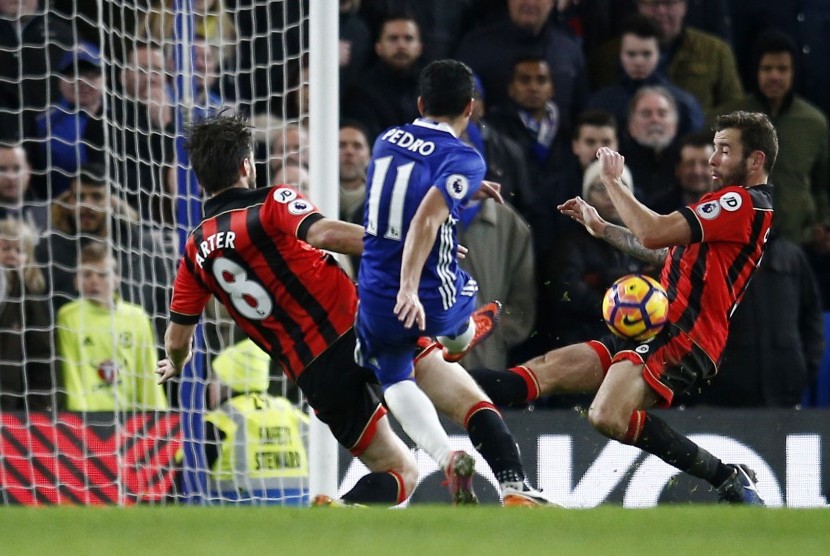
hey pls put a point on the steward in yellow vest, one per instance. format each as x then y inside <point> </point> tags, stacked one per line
<point>255,442</point>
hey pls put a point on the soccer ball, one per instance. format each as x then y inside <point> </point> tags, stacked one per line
<point>635,307</point>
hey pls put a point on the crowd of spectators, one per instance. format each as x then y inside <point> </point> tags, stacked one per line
<point>88,128</point>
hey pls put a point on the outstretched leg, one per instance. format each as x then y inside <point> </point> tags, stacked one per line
<point>568,370</point>
<point>618,412</point>
<point>456,394</point>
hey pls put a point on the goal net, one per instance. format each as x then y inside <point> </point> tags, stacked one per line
<point>96,199</point>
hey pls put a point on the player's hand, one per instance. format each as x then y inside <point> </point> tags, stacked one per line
<point>409,310</point>
<point>585,214</point>
<point>167,370</point>
<point>461,252</point>
<point>489,189</point>
<point>611,165</point>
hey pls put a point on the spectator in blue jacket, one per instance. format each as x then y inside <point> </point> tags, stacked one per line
<point>528,29</point>
<point>72,131</point>
<point>639,59</point>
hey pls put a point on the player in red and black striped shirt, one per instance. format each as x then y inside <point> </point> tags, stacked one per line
<point>708,252</point>
<point>259,252</point>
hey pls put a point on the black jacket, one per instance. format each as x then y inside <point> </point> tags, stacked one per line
<point>776,336</point>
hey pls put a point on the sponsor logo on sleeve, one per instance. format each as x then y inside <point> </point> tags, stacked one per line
<point>284,195</point>
<point>457,186</point>
<point>298,207</point>
<point>708,210</point>
<point>731,201</point>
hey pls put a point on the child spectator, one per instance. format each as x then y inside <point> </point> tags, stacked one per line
<point>107,346</point>
<point>26,381</point>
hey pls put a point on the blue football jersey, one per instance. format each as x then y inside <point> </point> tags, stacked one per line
<point>406,162</point>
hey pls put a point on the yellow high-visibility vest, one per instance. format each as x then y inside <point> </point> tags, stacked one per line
<point>263,448</point>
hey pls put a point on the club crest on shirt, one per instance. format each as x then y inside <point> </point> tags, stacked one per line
<point>298,207</point>
<point>284,195</point>
<point>457,186</point>
<point>125,339</point>
<point>731,201</point>
<point>108,371</point>
<point>708,210</point>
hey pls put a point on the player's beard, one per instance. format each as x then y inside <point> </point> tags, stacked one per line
<point>738,176</point>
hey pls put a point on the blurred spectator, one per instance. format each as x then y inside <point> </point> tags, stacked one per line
<point>776,339</point>
<point>213,22</point>
<point>265,127</point>
<point>87,212</point>
<point>71,133</point>
<point>26,379</point>
<point>650,146</point>
<point>492,51</point>
<point>355,44</point>
<point>355,154</point>
<point>33,39</point>
<point>696,61</point>
<point>639,55</point>
<point>581,268</point>
<point>692,172</point>
<point>205,76</point>
<point>505,160</point>
<point>802,174</point>
<point>290,145</point>
<point>295,174</point>
<point>442,23</point>
<point>501,258</point>
<point>387,94</point>
<point>296,99</point>
<point>142,134</point>
<point>106,346</point>
<point>807,23</point>
<point>532,119</point>
<point>595,22</point>
<point>254,442</point>
<point>593,129</point>
<point>16,198</point>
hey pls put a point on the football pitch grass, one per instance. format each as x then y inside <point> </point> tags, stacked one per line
<point>422,530</point>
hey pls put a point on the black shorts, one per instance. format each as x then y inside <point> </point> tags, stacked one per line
<point>672,362</point>
<point>342,394</point>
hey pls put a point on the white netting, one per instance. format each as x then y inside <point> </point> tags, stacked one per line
<point>93,101</point>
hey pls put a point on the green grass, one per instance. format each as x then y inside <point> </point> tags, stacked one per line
<point>422,530</point>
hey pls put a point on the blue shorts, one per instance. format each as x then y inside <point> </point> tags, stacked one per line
<point>386,347</point>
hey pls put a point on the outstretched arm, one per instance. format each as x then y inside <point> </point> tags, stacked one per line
<point>337,236</point>
<point>618,236</point>
<point>651,229</point>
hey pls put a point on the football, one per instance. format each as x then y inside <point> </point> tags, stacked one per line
<point>635,307</point>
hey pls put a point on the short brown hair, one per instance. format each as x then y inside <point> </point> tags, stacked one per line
<point>757,133</point>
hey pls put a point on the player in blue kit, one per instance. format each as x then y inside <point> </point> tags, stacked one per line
<point>420,176</point>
